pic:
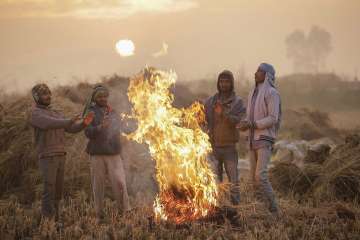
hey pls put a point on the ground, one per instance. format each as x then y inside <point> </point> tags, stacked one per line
<point>298,220</point>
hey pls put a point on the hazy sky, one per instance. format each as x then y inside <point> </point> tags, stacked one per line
<point>54,40</point>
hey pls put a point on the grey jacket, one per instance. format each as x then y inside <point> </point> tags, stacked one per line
<point>49,128</point>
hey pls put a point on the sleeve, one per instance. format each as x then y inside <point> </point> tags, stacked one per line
<point>75,127</point>
<point>207,105</point>
<point>44,121</point>
<point>237,112</point>
<point>273,103</point>
<point>93,130</point>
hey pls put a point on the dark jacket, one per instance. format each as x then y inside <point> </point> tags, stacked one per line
<point>103,141</point>
<point>233,112</point>
<point>49,127</point>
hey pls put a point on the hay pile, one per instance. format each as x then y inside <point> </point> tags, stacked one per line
<point>290,179</point>
<point>340,176</point>
<point>307,124</point>
<point>325,175</point>
<point>19,172</point>
<point>16,153</point>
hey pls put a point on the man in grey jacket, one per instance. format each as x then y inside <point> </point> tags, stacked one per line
<point>262,122</point>
<point>49,127</point>
<point>223,111</point>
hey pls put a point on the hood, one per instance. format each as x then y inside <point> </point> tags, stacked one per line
<point>228,74</point>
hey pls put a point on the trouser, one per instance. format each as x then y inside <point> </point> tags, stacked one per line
<point>52,169</point>
<point>113,164</point>
<point>259,161</point>
<point>228,157</point>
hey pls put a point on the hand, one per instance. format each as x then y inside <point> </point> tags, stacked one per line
<point>243,125</point>
<point>105,123</point>
<point>75,118</point>
<point>218,108</point>
<point>88,118</point>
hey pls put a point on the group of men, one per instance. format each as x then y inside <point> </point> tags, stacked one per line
<point>102,128</point>
<point>225,115</point>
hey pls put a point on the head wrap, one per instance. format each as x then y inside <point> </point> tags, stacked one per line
<point>98,89</point>
<point>38,90</point>
<point>269,72</point>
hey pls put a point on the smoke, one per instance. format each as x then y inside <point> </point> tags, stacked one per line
<point>162,52</point>
<point>309,52</point>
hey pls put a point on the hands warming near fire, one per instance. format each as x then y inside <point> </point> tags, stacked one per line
<point>85,120</point>
<point>244,125</point>
<point>222,107</point>
<point>88,118</point>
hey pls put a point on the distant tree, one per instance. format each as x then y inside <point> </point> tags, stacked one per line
<point>309,53</point>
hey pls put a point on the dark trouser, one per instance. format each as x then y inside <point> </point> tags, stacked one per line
<point>52,169</point>
<point>228,157</point>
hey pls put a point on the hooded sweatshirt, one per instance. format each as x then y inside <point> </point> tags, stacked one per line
<point>222,127</point>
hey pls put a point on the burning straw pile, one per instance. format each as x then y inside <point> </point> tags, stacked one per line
<point>324,176</point>
<point>177,143</point>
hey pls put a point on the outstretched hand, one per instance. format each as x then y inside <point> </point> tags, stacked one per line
<point>218,108</point>
<point>243,125</point>
<point>75,118</point>
<point>88,118</point>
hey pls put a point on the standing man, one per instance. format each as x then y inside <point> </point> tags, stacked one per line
<point>263,117</point>
<point>104,150</point>
<point>223,111</point>
<point>49,127</point>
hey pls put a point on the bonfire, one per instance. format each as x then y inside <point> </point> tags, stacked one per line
<point>179,146</point>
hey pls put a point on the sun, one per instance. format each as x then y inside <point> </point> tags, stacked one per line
<point>125,48</point>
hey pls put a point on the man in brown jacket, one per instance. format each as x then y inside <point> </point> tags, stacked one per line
<point>49,128</point>
<point>223,111</point>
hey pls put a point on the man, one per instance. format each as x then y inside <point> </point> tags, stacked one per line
<point>262,122</point>
<point>104,150</point>
<point>223,111</point>
<point>49,127</point>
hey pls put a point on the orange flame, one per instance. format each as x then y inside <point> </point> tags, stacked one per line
<point>177,143</point>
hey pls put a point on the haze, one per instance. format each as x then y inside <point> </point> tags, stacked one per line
<point>61,41</point>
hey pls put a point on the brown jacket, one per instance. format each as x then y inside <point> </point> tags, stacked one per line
<point>49,127</point>
<point>222,127</point>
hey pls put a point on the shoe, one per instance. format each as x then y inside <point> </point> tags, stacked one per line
<point>100,219</point>
<point>275,212</point>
